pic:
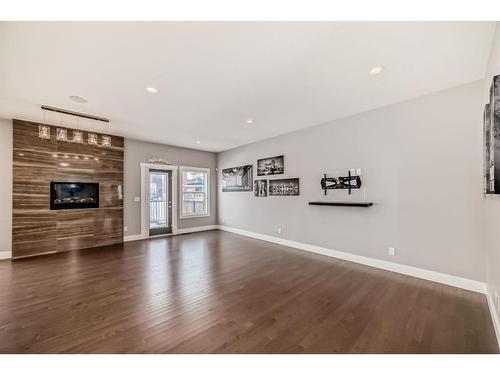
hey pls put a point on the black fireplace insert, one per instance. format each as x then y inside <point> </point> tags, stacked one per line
<point>66,195</point>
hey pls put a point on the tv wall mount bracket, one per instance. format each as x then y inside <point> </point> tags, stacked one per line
<point>348,182</point>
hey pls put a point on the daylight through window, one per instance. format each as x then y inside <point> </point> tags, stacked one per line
<point>194,192</point>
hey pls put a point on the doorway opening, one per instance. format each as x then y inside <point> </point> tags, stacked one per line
<point>158,213</point>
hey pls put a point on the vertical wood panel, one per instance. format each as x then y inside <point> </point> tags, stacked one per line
<point>38,230</point>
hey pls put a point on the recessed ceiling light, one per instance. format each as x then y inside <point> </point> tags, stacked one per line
<point>376,70</point>
<point>63,164</point>
<point>78,99</point>
<point>198,142</point>
<point>249,121</point>
<point>151,90</point>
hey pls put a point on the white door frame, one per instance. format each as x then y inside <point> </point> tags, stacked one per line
<point>145,167</point>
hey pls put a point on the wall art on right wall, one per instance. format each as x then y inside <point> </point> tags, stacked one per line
<point>491,134</point>
<point>270,166</point>
<point>260,188</point>
<point>284,187</point>
<point>237,178</point>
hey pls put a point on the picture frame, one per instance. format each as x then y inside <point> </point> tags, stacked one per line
<point>284,187</point>
<point>271,166</point>
<point>237,178</point>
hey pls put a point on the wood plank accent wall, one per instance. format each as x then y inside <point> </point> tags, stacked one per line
<point>38,230</point>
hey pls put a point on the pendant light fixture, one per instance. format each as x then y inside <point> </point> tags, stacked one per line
<point>43,130</point>
<point>77,134</point>
<point>92,137</point>
<point>106,139</point>
<point>62,133</point>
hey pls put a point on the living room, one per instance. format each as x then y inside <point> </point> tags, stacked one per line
<point>249,187</point>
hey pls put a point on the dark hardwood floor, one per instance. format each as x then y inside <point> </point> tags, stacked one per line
<point>217,292</point>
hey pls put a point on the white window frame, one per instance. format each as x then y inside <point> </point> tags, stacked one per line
<point>183,169</point>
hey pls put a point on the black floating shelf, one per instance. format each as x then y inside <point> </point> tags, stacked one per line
<point>352,204</point>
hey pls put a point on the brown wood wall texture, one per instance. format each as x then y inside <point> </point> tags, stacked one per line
<point>38,230</point>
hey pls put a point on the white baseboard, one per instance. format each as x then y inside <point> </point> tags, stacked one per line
<point>456,281</point>
<point>196,229</point>
<point>133,237</point>
<point>5,254</point>
<point>136,237</point>
<point>494,316</point>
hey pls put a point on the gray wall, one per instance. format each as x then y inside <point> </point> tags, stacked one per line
<point>492,202</point>
<point>137,152</point>
<point>421,164</point>
<point>5,186</point>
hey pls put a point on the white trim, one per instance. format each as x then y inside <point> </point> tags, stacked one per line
<point>162,235</point>
<point>207,193</point>
<point>456,281</point>
<point>137,237</point>
<point>197,229</point>
<point>5,254</point>
<point>133,237</point>
<point>145,167</point>
<point>494,316</point>
<point>166,167</point>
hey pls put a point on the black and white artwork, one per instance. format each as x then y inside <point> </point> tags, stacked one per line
<point>487,147</point>
<point>237,178</point>
<point>260,188</point>
<point>284,187</point>
<point>492,140</point>
<point>270,166</point>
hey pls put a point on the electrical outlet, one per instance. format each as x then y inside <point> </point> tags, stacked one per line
<point>392,251</point>
<point>137,199</point>
<point>280,230</point>
<point>125,229</point>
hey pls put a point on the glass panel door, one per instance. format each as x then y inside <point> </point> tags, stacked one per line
<point>160,202</point>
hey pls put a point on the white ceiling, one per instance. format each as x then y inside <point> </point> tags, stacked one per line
<point>213,76</point>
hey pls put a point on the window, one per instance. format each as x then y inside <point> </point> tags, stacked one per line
<point>195,184</point>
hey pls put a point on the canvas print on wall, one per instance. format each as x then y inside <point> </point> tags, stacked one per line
<point>487,145</point>
<point>260,188</point>
<point>270,166</point>
<point>284,187</point>
<point>492,140</point>
<point>237,178</point>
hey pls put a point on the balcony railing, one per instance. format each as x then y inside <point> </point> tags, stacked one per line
<point>158,210</point>
<point>157,214</point>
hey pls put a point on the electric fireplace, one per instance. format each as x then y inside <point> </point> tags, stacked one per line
<point>66,195</point>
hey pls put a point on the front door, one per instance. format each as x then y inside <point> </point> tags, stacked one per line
<point>160,202</point>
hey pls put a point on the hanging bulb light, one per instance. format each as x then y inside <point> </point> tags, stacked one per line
<point>106,141</point>
<point>92,137</point>
<point>43,130</point>
<point>61,133</point>
<point>77,134</point>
